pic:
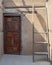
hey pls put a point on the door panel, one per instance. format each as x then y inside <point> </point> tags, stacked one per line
<point>12,34</point>
<point>13,26</point>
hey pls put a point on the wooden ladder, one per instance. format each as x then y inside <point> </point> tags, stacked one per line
<point>47,53</point>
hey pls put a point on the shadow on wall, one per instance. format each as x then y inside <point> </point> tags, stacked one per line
<point>42,21</point>
<point>27,32</point>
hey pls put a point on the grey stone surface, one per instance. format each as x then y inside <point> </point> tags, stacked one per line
<point>20,60</point>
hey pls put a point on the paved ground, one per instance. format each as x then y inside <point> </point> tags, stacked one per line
<point>20,60</point>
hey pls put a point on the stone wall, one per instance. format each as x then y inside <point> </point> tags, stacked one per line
<point>1,28</point>
<point>13,3</point>
<point>49,8</point>
<point>39,19</point>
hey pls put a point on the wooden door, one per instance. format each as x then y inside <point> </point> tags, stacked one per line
<point>12,34</point>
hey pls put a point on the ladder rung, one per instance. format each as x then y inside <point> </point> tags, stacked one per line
<point>41,32</point>
<point>41,53</point>
<point>41,42</point>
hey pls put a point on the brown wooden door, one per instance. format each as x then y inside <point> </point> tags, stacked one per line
<point>12,34</point>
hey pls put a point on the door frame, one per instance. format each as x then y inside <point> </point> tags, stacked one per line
<point>11,14</point>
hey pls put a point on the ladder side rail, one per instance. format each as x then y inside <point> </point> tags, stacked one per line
<point>48,35</point>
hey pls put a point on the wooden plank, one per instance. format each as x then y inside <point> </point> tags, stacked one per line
<point>41,53</point>
<point>41,42</point>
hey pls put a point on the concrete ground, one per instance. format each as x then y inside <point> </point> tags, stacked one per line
<point>20,60</point>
